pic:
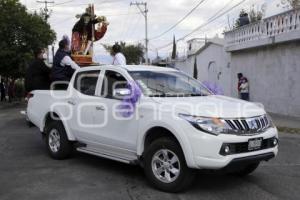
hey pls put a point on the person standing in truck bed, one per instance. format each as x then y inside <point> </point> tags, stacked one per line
<point>118,56</point>
<point>63,66</point>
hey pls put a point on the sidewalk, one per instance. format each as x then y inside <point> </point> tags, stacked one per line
<point>286,123</point>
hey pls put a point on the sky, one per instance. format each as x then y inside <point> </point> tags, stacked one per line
<point>128,24</point>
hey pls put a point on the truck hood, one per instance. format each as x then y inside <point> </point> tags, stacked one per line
<point>210,106</point>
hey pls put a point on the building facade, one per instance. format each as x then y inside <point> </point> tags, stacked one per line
<point>268,54</point>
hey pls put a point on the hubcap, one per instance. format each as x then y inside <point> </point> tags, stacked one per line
<point>54,140</point>
<point>165,166</point>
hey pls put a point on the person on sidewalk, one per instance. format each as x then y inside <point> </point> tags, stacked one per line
<point>243,87</point>
<point>2,90</point>
<point>63,66</point>
<point>118,57</point>
<point>37,76</point>
<point>11,90</point>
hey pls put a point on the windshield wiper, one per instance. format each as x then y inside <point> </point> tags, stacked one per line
<point>197,95</point>
<point>157,95</point>
<point>175,95</point>
<point>164,95</point>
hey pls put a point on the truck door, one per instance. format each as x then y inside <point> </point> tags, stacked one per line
<point>83,102</point>
<point>114,129</point>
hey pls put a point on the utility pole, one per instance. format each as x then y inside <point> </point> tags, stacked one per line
<point>46,10</point>
<point>145,14</point>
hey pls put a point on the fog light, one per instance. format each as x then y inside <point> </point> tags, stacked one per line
<point>275,141</point>
<point>227,149</point>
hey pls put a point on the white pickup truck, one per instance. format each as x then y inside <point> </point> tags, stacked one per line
<point>160,118</point>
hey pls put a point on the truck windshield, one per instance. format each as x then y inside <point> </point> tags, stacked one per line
<point>168,84</point>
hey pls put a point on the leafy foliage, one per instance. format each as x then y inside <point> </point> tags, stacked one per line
<point>255,15</point>
<point>294,4</point>
<point>242,17</point>
<point>20,34</point>
<point>251,17</point>
<point>132,53</point>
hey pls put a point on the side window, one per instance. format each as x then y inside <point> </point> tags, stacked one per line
<point>85,82</point>
<point>112,80</point>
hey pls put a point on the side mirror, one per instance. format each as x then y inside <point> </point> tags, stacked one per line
<point>122,93</point>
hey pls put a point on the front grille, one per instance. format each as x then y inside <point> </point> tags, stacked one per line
<point>248,126</point>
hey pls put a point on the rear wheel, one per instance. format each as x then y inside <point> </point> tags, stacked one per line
<point>246,170</point>
<point>58,145</point>
<point>165,166</point>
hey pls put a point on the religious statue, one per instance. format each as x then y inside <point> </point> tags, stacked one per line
<point>84,34</point>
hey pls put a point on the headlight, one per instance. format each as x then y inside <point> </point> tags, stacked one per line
<point>213,126</point>
<point>270,121</point>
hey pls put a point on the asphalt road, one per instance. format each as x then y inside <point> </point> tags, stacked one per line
<point>27,172</point>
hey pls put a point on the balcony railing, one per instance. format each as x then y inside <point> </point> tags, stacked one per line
<point>272,26</point>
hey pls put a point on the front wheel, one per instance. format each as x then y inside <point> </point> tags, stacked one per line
<point>58,145</point>
<point>165,166</point>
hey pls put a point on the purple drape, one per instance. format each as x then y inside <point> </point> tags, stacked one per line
<point>213,87</point>
<point>128,104</point>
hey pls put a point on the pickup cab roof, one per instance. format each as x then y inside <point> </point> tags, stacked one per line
<point>128,68</point>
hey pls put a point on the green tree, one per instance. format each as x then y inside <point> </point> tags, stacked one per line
<point>174,49</point>
<point>132,53</point>
<point>195,72</point>
<point>20,34</point>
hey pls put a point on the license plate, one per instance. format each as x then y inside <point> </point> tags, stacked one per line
<point>254,144</point>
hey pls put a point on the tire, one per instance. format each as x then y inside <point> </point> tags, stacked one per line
<point>246,170</point>
<point>58,145</point>
<point>168,183</point>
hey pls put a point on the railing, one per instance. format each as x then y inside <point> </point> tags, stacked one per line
<point>268,27</point>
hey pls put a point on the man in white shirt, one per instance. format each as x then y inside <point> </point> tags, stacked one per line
<point>118,57</point>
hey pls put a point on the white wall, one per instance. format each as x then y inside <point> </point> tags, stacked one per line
<point>273,73</point>
<point>215,57</point>
<point>274,76</point>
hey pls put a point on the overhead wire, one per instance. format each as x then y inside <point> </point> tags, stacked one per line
<point>216,16</point>
<point>179,21</point>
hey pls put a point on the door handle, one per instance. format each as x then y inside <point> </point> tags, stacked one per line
<point>99,108</point>
<point>71,103</point>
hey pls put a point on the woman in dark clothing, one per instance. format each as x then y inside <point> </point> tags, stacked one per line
<point>2,90</point>
<point>38,73</point>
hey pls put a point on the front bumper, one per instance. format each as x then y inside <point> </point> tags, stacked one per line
<point>207,149</point>
<point>237,162</point>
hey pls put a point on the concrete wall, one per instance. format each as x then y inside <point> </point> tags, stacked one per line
<point>274,76</point>
<point>213,65</point>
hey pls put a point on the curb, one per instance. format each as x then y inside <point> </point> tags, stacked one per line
<point>288,130</point>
